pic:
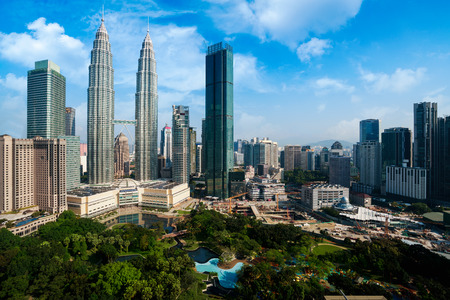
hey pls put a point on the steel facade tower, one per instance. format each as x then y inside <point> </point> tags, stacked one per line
<point>100,154</point>
<point>46,101</point>
<point>146,114</point>
<point>219,119</point>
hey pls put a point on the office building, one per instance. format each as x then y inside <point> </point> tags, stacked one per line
<point>100,130</point>
<point>442,190</point>
<point>180,144</point>
<point>369,130</point>
<point>317,196</point>
<point>340,170</point>
<point>121,156</point>
<point>50,174</point>
<point>407,182</point>
<point>199,158</point>
<point>292,157</point>
<point>146,160</point>
<point>193,149</point>
<point>166,144</point>
<point>396,148</point>
<point>238,158</point>
<point>337,149</point>
<point>324,160</point>
<point>219,119</point>
<point>70,121</point>
<point>370,164</point>
<point>46,101</point>
<point>73,161</point>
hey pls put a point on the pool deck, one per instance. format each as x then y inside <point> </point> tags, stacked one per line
<point>231,264</point>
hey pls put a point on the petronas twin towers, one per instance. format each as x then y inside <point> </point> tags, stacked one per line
<point>101,112</point>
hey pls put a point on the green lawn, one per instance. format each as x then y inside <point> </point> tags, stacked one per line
<point>183,212</point>
<point>323,249</point>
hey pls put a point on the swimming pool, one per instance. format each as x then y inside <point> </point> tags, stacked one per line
<point>227,278</point>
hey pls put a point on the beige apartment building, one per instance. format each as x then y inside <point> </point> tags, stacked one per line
<point>17,173</point>
<point>32,173</point>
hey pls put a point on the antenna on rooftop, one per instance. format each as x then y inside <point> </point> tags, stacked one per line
<point>103,13</point>
<point>148,23</point>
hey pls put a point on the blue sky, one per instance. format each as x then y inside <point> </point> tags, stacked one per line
<point>304,70</point>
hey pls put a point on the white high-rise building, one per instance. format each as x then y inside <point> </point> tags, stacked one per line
<point>166,144</point>
<point>181,144</point>
<point>370,164</point>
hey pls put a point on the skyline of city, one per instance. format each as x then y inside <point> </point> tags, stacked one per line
<point>347,79</point>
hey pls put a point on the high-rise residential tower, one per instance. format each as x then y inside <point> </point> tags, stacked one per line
<point>369,130</point>
<point>70,121</point>
<point>46,100</point>
<point>219,119</point>
<point>166,144</point>
<point>146,161</point>
<point>100,156</point>
<point>121,156</point>
<point>193,149</point>
<point>73,161</point>
<point>180,144</point>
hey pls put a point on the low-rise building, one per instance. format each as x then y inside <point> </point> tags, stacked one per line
<point>316,196</point>
<point>27,227</point>
<point>360,199</point>
<point>92,201</point>
<point>261,188</point>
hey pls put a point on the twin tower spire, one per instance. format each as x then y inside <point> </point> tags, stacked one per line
<point>100,156</point>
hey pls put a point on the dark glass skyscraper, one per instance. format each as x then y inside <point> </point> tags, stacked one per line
<point>219,119</point>
<point>369,130</point>
<point>100,156</point>
<point>46,101</point>
<point>146,114</point>
<point>396,147</point>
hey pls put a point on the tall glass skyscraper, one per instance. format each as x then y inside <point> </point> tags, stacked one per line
<point>146,114</point>
<point>219,119</point>
<point>70,121</point>
<point>181,164</point>
<point>100,156</point>
<point>369,130</point>
<point>46,101</point>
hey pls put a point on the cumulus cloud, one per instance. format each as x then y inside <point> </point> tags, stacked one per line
<point>285,21</point>
<point>399,81</point>
<point>12,82</point>
<point>248,75</point>
<point>315,47</point>
<point>325,85</point>
<point>344,130</point>
<point>47,41</point>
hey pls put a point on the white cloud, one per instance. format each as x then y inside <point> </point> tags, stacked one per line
<point>286,21</point>
<point>254,126</point>
<point>344,130</point>
<point>321,107</point>
<point>325,85</point>
<point>247,74</point>
<point>399,81</point>
<point>47,41</point>
<point>12,82</point>
<point>355,99</point>
<point>315,47</point>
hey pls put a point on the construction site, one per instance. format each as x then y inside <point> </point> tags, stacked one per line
<point>359,223</point>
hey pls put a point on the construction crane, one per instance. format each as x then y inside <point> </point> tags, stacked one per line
<point>236,196</point>
<point>288,193</point>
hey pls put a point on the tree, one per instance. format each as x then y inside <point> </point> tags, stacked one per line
<point>109,252</point>
<point>114,278</point>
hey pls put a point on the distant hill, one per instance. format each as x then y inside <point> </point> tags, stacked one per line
<point>328,143</point>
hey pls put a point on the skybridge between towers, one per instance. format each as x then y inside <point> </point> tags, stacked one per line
<point>124,124</point>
